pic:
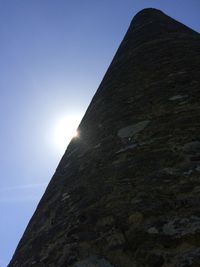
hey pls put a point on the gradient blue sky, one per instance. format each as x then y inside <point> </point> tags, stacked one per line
<point>53,55</point>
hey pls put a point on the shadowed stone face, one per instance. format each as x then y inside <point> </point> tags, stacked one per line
<point>130,130</point>
<point>93,261</point>
<point>126,192</point>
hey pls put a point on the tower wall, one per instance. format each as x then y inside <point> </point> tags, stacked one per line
<point>126,192</point>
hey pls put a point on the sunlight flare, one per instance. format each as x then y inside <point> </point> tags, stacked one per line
<point>65,130</point>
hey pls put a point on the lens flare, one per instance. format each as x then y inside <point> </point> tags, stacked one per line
<point>65,130</point>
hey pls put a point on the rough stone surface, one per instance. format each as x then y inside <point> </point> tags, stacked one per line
<point>126,192</point>
<point>93,261</point>
<point>130,130</point>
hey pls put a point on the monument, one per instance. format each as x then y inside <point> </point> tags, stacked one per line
<point>126,193</point>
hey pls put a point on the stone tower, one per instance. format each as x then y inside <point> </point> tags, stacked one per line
<point>127,192</point>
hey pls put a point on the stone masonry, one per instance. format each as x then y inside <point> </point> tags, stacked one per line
<point>127,191</point>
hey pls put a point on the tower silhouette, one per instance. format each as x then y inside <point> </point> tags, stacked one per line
<point>127,191</point>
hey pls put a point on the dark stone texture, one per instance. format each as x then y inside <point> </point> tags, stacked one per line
<point>126,192</point>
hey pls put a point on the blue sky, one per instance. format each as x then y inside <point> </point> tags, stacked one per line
<point>53,54</point>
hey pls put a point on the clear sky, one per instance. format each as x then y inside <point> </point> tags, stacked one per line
<point>53,55</point>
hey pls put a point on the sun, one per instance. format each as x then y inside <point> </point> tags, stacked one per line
<point>65,130</point>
